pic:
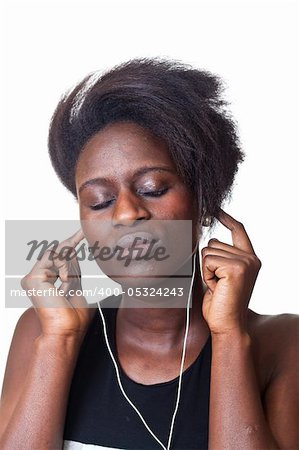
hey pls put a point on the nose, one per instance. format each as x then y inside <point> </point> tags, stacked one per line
<point>128,208</point>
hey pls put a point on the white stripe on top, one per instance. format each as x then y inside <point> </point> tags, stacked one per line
<point>74,445</point>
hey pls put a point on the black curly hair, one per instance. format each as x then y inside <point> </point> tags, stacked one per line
<point>176,102</point>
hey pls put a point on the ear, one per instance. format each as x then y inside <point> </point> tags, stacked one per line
<point>199,229</point>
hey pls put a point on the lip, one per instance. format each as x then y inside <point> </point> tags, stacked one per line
<point>127,240</point>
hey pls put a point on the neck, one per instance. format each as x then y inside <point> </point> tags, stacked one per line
<point>164,325</point>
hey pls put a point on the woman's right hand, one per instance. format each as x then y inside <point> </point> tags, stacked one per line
<point>59,315</point>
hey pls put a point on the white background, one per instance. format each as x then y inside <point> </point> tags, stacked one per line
<point>49,46</point>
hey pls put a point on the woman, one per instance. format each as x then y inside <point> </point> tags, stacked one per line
<point>150,142</point>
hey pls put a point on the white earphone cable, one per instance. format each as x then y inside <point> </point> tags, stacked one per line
<point>181,367</point>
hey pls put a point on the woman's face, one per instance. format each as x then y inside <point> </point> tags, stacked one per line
<point>127,183</point>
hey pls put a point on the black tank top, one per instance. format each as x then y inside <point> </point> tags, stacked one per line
<point>98,416</point>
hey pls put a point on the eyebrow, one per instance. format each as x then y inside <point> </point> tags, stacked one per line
<point>138,173</point>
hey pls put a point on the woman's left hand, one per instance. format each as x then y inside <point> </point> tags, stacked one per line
<point>230,272</point>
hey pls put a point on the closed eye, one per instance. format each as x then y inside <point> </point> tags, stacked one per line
<point>101,205</point>
<point>156,193</point>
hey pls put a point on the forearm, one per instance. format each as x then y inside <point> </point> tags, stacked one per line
<point>237,420</point>
<point>38,418</point>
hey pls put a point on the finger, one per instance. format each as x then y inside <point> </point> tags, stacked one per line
<point>66,273</point>
<point>70,243</point>
<point>74,240</point>
<point>214,243</point>
<point>70,271</point>
<point>51,266</point>
<point>45,262</point>
<point>44,295</point>
<point>214,267</point>
<point>209,271</point>
<point>239,236</point>
<point>221,252</point>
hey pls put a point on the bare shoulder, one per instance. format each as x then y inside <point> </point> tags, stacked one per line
<point>275,345</point>
<point>274,333</point>
<point>275,342</point>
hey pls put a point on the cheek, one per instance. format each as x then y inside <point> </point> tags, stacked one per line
<point>177,206</point>
<point>85,213</point>
<point>95,229</point>
<point>97,234</point>
<point>182,206</point>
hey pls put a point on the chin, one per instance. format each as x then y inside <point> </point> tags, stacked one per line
<point>140,281</point>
